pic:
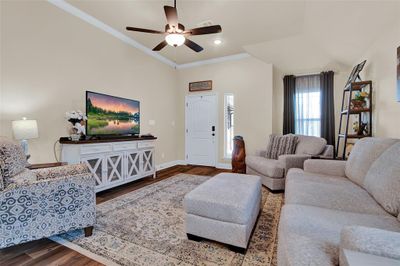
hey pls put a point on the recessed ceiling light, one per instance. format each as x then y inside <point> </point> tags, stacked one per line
<point>217,41</point>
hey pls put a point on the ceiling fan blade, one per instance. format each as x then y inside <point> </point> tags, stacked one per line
<point>172,16</point>
<point>144,30</point>
<point>194,46</point>
<point>205,30</point>
<point>160,46</point>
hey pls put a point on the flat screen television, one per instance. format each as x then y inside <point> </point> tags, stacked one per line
<point>110,115</point>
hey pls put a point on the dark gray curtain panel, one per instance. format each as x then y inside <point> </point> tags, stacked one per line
<point>289,87</point>
<point>327,107</point>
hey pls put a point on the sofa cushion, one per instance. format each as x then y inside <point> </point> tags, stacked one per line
<point>310,145</point>
<point>383,179</point>
<point>267,167</point>
<point>226,197</point>
<point>362,156</point>
<point>311,235</point>
<point>332,192</point>
<point>279,145</point>
<point>12,158</point>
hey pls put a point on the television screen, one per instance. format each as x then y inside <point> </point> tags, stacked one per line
<point>110,115</point>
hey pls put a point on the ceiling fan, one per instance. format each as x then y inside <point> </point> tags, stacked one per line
<point>175,33</point>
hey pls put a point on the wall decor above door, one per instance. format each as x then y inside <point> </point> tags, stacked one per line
<point>205,85</point>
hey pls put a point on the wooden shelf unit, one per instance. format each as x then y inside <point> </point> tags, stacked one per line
<point>347,112</point>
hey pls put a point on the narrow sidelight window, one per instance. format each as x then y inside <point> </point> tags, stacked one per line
<point>228,124</point>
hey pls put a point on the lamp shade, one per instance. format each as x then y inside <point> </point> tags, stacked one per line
<point>25,129</point>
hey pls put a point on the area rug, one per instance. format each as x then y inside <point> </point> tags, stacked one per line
<point>146,227</point>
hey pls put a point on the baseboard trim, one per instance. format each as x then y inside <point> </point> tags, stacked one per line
<point>170,164</point>
<point>226,166</point>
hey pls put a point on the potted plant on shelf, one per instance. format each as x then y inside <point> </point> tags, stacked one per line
<point>359,101</point>
<point>78,120</point>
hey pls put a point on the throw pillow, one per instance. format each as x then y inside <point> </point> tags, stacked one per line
<point>12,159</point>
<point>279,145</point>
<point>383,180</point>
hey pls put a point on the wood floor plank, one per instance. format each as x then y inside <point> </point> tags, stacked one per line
<point>46,252</point>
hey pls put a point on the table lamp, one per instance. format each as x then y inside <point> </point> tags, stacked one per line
<point>23,130</point>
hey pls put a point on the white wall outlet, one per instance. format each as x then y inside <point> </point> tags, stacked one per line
<point>163,155</point>
<point>152,122</point>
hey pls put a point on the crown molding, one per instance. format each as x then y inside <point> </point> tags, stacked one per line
<point>67,7</point>
<point>214,60</point>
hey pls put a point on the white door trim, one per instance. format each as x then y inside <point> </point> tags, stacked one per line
<point>216,125</point>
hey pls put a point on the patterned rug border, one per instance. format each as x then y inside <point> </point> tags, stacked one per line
<point>83,251</point>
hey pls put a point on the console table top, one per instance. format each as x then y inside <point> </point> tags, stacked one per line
<point>105,140</point>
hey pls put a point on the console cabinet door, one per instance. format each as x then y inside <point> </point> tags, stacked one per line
<point>133,165</point>
<point>147,162</point>
<point>114,168</point>
<point>96,165</point>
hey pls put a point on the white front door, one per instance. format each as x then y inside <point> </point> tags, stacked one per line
<point>201,129</point>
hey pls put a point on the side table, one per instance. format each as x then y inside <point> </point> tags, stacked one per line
<point>45,165</point>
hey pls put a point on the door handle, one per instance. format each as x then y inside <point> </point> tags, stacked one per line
<point>213,128</point>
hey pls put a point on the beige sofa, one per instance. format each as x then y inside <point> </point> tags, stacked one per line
<point>272,172</point>
<point>333,208</point>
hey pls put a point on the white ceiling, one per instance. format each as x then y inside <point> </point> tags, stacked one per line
<point>289,34</point>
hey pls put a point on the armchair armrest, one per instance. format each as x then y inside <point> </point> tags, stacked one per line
<point>325,167</point>
<point>371,241</point>
<point>61,171</point>
<point>293,160</point>
<point>328,152</point>
<point>62,204</point>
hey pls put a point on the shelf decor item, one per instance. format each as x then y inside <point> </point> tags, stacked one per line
<point>359,101</point>
<point>78,120</point>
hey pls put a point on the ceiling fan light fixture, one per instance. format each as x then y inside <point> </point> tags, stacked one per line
<point>217,42</point>
<point>175,39</point>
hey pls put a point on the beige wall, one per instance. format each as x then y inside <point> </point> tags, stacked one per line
<point>49,58</point>
<point>381,69</point>
<point>250,80</point>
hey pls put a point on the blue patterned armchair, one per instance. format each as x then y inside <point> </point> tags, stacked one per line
<point>40,203</point>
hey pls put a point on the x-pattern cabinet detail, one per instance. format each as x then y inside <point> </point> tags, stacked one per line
<point>113,163</point>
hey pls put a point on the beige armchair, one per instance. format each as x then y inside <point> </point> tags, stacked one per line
<point>273,172</point>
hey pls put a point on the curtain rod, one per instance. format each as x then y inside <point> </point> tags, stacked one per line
<point>310,74</point>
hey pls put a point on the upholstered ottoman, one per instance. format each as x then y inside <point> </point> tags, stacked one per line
<point>224,208</point>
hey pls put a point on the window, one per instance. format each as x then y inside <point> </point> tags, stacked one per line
<point>308,106</point>
<point>228,125</point>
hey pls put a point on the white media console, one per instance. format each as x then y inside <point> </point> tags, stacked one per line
<point>112,162</point>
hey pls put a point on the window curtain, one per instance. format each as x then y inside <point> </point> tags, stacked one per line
<point>289,83</point>
<point>327,107</point>
<point>307,105</point>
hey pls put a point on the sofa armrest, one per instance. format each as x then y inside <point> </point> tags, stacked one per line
<point>293,160</point>
<point>368,240</point>
<point>325,167</point>
<point>61,171</point>
<point>261,153</point>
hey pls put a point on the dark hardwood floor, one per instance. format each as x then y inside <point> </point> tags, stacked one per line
<point>47,252</point>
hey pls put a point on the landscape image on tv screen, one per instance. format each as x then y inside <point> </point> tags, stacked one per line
<point>109,115</point>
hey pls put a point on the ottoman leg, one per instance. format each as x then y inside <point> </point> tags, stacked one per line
<point>194,238</point>
<point>237,249</point>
